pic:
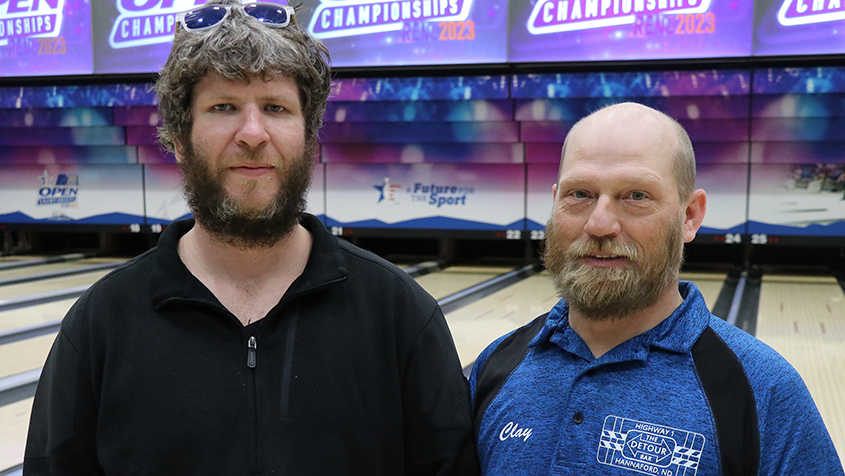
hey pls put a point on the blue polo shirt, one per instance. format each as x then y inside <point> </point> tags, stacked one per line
<point>641,408</point>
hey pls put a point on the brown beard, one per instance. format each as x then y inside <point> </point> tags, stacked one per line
<point>612,293</point>
<point>229,221</point>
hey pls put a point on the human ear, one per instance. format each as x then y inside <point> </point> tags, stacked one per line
<point>694,214</point>
<point>178,151</point>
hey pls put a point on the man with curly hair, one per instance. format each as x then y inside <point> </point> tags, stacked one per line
<point>250,340</point>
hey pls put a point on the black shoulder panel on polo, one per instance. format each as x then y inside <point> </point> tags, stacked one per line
<point>732,402</point>
<point>499,364</point>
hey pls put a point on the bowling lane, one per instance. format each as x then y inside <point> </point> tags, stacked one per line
<point>32,315</point>
<point>52,284</point>
<point>710,284</point>
<point>456,278</point>
<point>480,323</point>
<point>53,267</point>
<point>16,258</point>
<point>803,318</point>
<point>14,423</point>
<point>23,355</point>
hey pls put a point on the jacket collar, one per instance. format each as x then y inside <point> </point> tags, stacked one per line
<point>171,281</point>
<point>676,333</point>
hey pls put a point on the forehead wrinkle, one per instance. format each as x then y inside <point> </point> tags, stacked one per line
<point>220,88</point>
<point>630,177</point>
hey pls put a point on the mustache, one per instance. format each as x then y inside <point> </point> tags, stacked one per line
<point>252,156</point>
<point>592,246</point>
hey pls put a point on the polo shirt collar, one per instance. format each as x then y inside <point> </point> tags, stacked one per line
<point>676,333</point>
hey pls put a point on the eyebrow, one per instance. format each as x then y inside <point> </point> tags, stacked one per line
<point>230,97</point>
<point>647,180</point>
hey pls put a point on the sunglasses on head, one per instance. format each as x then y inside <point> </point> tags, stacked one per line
<point>270,14</point>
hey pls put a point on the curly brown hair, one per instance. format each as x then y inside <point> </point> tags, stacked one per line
<point>240,48</point>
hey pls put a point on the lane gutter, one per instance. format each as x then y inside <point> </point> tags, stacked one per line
<point>59,274</point>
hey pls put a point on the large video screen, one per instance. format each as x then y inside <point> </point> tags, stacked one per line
<point>132,36</point>
<point>611,30</point>
<point>45,37</point>
<point>410,32</point>
<point>798,27</point>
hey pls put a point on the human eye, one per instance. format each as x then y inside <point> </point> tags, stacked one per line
<point>222,107</point>
<point>638,196</point>
<point>580,194</point>
<point>275,108</point>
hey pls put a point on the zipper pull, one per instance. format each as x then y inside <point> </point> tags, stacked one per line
<point>250,357</point>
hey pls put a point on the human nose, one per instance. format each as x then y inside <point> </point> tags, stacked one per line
<point>604,219</point>
<point>252,131</point>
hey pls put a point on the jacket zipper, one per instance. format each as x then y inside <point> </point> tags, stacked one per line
<point>250,353</point>
<point>252,347</point>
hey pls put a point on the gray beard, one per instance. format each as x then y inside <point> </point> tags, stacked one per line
<point>612,293</point>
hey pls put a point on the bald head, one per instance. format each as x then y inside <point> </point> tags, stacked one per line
<point>625,123</point>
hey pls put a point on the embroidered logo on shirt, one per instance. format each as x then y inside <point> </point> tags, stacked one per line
<point>512,430</point>
<point>648,448</point>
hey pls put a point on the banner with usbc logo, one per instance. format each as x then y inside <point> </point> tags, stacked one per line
<point>612,30</point>
<point>426,196</point>
<point>409,32</point>
<point>45,37</point>
<point>69,193</point>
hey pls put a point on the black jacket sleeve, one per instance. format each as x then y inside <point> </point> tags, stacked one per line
<point>62,429</point>
<point>438,430</point>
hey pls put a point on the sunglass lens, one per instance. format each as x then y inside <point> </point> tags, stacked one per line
<point>267,13</point>
<point>204,17</point>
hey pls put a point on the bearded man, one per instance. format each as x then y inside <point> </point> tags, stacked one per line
<point>250,340</point>
<point>630,373</point>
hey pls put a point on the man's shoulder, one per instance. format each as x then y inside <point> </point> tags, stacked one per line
<point>128,273</point>
<point>111,297</point>
<point>746,347</point>
<point>360,261</point>
<point>525,335</point>
<point>768,372</point>
<point>119,285</point>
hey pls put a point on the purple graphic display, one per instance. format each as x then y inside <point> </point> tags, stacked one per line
<point>68,155</point>
<point>77,96</point>
<point>66,117</point>
<point>425,153</point>
<point>45,37</point>
<point>136,116</point>
<point>62,136</point>
<point>392,132</point>
<point>797,27</point>
<point>610,30</point>
<point>797,153</point>
<point>421,111</point>
<point>691,107</point>
<point>452,88</point>
<point>800,81</point>
<point>539,198</point>
<point>134,36</point>
<point>631,85</point>
<point>409,32</point>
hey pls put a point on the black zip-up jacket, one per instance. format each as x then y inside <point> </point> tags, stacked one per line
<point>352,372</point>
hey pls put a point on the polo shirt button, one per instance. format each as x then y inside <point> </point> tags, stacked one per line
<point>578,417</point>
